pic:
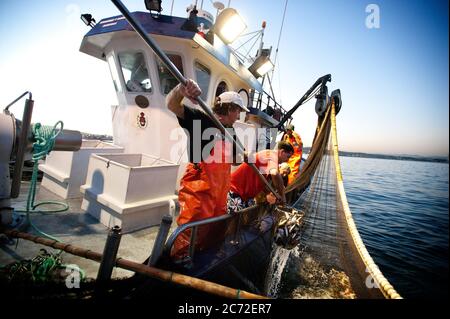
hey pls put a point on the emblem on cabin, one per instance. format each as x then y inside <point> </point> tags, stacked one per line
<point>142,120</point>
<point>202,31</point>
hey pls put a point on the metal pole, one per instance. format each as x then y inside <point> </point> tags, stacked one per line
<point>160,240</point>
<point>109,255</point>
<point>177,74</point>
<point>171,7</point>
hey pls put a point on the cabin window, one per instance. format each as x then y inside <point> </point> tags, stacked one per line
<point>114,74</point>
<point>245,98</point>
<point>134,71</point>
<point>222,87</point>
<point>203,75</point>
<point>166,79</point>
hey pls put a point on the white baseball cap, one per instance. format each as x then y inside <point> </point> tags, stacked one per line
<point>233,97</point>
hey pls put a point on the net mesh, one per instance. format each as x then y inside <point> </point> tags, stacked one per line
<point>331,260</point>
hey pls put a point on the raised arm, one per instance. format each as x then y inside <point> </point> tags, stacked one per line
<point>173,100</point>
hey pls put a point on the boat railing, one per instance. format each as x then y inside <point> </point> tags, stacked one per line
<point>264,102</point>
<point>189,259</point>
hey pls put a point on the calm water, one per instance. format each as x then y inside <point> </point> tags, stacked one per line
<point>401,210</point>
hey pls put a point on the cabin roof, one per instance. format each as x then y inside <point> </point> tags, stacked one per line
<point>164,25</point>
<point>99,36</point>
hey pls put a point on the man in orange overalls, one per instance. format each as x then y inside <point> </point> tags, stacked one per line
<point>295,140</point>
<point>246,184</point>
<point>206,181</point>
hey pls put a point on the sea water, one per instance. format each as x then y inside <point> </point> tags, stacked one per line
<point>401,211</point>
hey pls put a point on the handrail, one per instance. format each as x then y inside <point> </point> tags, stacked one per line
<point>30,97</point>
<point>259,101</point>
<point>275,102</point>
<point>180,229</point>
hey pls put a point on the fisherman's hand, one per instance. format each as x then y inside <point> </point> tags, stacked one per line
<point>190,91</point>
<point>282,201</point>
<point>246,156</point>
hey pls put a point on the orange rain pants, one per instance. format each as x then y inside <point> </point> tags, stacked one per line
<point>203,194</point>
<point>294,161</point>
<point>294,164</point>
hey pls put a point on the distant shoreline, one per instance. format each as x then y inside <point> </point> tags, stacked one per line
<point>415,158</point>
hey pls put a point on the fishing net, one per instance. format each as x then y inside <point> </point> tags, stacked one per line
<point>330,260</point>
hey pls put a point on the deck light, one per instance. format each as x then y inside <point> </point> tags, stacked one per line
<point>262,63</point>
<point>153,5</point>
<point>261,66</point>
<point>229,25</point>
<point>88,19</point>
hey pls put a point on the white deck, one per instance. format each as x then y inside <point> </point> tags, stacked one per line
<point>78,228</point>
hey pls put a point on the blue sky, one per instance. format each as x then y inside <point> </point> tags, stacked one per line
<point>393,79</point>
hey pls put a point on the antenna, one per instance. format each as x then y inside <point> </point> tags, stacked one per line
<point>219,6</point>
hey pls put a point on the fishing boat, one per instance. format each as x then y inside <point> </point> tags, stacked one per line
<point>131,183</point>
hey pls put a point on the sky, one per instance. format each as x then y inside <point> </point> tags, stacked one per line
<point>393,75</point>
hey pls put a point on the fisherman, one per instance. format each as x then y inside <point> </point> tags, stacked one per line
<point>295,140</point>
<point>285,170</point>
<point>206,181</point>
<point>246,184</point>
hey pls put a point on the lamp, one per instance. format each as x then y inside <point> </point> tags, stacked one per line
<point>229,25</point>
<point>261,66</point>
<point>219,6</point>
<point>88,19</point>
<point>153,5</point>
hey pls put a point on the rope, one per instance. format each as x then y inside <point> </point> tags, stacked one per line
<point>37,270</point>
<point>41,267</point>
<point>44,141</point>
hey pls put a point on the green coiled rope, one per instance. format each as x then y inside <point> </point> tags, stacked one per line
<point>45,137</point>
<point>40,269</point>
<point>42,265</point>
